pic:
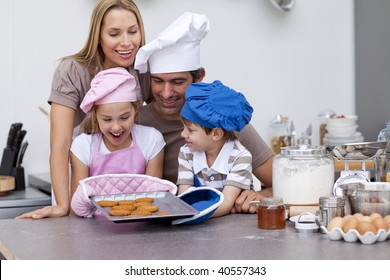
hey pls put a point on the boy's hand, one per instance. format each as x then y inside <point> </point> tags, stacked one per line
<point>242,202</point>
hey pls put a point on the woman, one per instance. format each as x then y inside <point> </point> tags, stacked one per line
<point>116,33</point>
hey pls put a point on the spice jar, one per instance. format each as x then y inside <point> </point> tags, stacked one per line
<point>301,174</point>
<point>383,161</point>
<point>271,213</point>
<point>280,136</point>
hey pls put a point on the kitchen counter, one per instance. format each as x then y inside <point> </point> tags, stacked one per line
<point>18,202</point>
<point>233,237</point>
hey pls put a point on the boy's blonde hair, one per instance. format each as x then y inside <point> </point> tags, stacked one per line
<point>227,135</point>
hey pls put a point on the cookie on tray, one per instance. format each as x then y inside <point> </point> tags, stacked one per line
<point>107,203</point>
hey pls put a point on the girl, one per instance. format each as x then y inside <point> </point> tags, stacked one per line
<point>112,143</point>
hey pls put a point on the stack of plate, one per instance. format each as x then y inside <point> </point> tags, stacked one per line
<point>342,129</point>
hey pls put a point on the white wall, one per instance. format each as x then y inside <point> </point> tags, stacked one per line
<point>294,64</point>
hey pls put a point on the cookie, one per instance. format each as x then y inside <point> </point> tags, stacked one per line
<point>120,212</point>
<point>124,207</point>
<point>107,203</point>
<point>145,199</point>
<point>150,208</point>
<point>126,202</point>
<point>163,213</point>
<point>142,203</point>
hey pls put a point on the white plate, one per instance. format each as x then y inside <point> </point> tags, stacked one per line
<point>330,137</point>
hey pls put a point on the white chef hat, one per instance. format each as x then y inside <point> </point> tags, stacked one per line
<point>177,48</point>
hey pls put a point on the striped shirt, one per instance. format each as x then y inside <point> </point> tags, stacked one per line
<point>233,167</point>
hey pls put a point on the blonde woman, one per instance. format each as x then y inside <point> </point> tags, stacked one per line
<point>115,35</point>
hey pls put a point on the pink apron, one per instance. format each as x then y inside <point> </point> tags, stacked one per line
<point>128,160</point>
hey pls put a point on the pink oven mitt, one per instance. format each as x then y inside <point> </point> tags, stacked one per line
<point>115,184</point>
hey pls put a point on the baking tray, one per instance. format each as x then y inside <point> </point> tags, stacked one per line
<point>166,201</point>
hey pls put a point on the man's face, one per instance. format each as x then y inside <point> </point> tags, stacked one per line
<point>169,93</point>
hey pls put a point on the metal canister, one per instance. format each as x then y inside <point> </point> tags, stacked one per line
<point>329,208</point>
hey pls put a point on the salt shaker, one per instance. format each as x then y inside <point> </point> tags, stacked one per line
<point>329,208</point>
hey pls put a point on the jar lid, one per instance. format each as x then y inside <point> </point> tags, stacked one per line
<point>331,201</point>
<point>306,225</point>
<point>271,201</point>
<point>303,150</point>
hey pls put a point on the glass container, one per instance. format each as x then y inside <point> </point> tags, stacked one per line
<point>383,161</point>
<point>302,174</point>
<point>280,136</point>
<point>271,213</point>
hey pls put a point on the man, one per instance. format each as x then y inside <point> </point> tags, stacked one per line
<point>174,63</point>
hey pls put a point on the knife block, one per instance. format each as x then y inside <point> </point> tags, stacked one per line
<point>18,173</point>
<point>8,161</point>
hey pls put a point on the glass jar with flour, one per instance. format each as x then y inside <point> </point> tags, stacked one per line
<point>302,174</point>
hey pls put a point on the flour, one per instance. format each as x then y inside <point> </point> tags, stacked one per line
<point>302,181</point>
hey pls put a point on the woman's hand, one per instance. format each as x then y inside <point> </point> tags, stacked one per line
<point>46,212</point>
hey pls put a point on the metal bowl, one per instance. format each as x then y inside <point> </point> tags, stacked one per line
<point>368,197</point>
<point>357,151</point>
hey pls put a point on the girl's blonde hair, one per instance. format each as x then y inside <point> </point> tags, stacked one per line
<point>90,124</point>
<point>92,55</point>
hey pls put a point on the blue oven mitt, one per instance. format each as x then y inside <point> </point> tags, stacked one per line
<point>204,199</point>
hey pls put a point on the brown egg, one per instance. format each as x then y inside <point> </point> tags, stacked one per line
<point>375,215</point>
<point>365,219</point>
<point>346,217</point>
<point>380,223</point>
<point>351,223</point>
<point>359,216</point>
<point>365,227</point>
<point>387,219</point>
<point>335,222</point>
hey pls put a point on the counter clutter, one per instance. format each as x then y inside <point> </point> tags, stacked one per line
<point>233,237</point>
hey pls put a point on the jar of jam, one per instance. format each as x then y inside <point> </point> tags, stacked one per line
<point>271,213</point>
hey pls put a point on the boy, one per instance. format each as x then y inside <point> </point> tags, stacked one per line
<point>212,155</point>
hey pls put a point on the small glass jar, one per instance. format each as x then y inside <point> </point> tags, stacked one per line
<point>302,174</point>
<point>280,136</point>
<point>382,172</point>
<point>271,213</point>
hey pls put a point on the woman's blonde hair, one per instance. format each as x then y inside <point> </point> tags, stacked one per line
<point>92,55</point>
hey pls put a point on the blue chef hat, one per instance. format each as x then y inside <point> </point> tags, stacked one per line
<point>216,105</point>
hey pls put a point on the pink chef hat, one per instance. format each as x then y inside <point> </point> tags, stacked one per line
<point>113,85</point>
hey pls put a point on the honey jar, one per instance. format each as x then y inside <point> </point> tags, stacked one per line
<point>271,213</point>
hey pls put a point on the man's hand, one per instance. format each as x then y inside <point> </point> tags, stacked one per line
<point>242,202</point>
<point>46,212</point>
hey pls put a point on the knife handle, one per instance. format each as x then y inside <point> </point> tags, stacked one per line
<point>21,154</point>
<point>18,139</point>
<point>11,134</point>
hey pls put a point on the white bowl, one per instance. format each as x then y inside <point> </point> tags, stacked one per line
<point>341,120</point>
<point>342,131</point>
